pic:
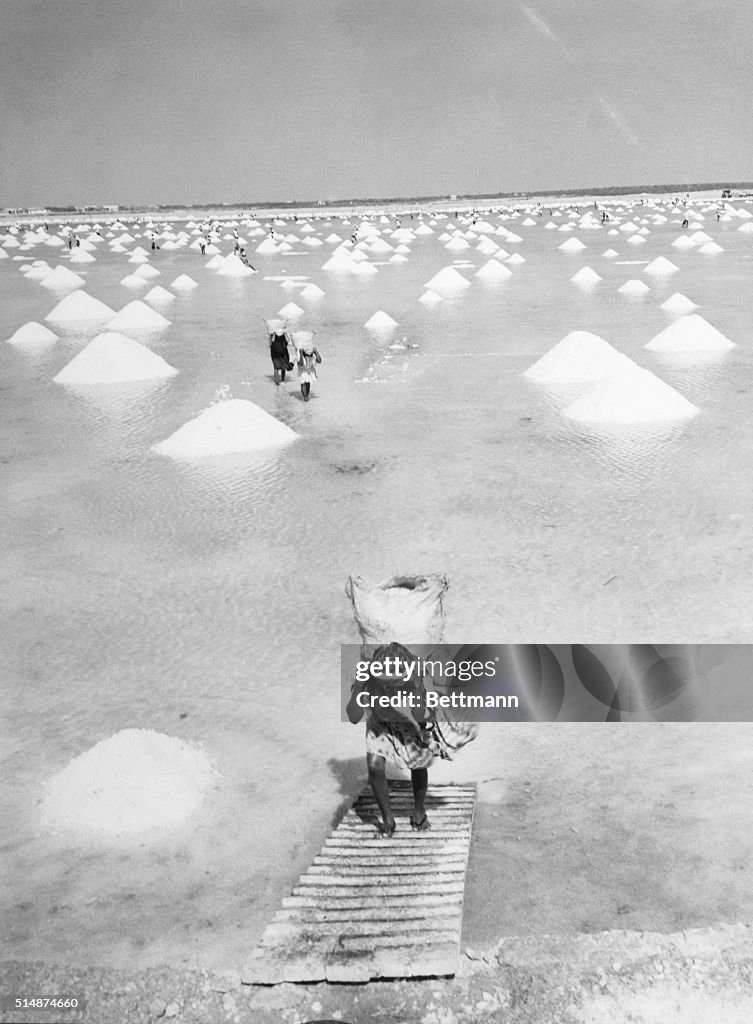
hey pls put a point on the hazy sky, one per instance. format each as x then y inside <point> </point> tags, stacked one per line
<point>177,101</point>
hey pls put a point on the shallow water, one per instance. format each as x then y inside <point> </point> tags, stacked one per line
<point>206,600</point>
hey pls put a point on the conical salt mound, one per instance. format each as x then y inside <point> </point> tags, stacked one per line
<point>579,357</point>
<point>32,334</point>
<point>134,281</point>
<point>226,428</point>
<point>267,246</point>
<point>38,271</point>
<point>380,321</point>
<point>232,266</point>
<point>632,395</point>
<point>311,291</point>
<point>290,309</point>
<point>340,261</point>
<point>146,271</point>
<point>111,358</point>
<point>60,278</point>
<point>585,276</point>
<point>80,305</point>
<point>184,283</point>
<point>158,294</point>
<point>634,287</point>
<point>135,783</point>
<point>572,245</point>
<point>690,334</point>
<point>660,267</point>
<point>710,249</point>
<point>82,257</point>
<point>137,315</point>
<point>493,270</point>
<point>430,298</point>
<point>447,279</point>
<point>678,304</point>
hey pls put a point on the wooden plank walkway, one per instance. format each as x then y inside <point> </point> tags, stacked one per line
<point>370,907</point>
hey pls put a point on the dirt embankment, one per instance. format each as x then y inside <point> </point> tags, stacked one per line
<point>691,977</point>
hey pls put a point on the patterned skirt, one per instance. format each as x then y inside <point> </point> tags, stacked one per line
<point>403,744</point>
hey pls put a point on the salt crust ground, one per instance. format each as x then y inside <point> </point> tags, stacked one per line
<point>701,976</point>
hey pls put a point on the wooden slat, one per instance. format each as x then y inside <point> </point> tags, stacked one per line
<point>373,907</point>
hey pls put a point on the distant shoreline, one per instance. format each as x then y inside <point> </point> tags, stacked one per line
<point>345,208</point>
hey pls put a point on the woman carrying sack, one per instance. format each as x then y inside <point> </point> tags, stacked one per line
<point>409,736</point>
<point>308,357</point>
<point>279,339</point>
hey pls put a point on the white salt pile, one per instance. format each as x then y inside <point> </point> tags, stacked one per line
<point>159,294</point>
<point>579,357</point>
<point>147,271</point>
<point>430,298</point>
<point>493,270</point>
<point>37,271</point>
<point>111,358</point>
<point>225,428</point>
<point>660,267</point>
<point>572,245</point>
<point>267,246</point>
<point>137,315</point>
<point>233,266</point>
<point>311,291</point>
<point>690,334</point>
<point>82,257</point>
<point>291,309</point>
<point>585,276</point>
<point>340,261</point>
<point>32,334</point>
<point>133,281</point>
<point>678,303</point>
<point>61,278</point>
<point>632,395</point>
<point>634,287</point>
<point>447,279</point>
<point>184,283</point>
<point>80,305</point>
<point>380,321</point>
<point>133,782</point>
<point>710,249</point>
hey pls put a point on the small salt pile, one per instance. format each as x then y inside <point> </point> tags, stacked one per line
<point>580,357</point>
<point>291,309</point>
<point>32,334</point>
<point>447,279</point>
<point>137,315</point>
<point>585,277</point>
<point>660,267</point>
<point>690,334</point>
<point>678,304</point>
<point>634,287</point>
<point>79,305</point>
<point>493,270</point>
<point>111,358</point>
<point>630,396</point>
<point>134,782</point>
<point>572,245</point>
<point>184,283</point>
<point>380,321</point>
<point>226,428</point>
